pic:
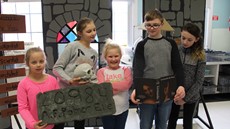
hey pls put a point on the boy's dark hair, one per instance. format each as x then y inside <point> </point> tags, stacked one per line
<point>154,14</point>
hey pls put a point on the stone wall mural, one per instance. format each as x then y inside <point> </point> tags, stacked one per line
<point>179,12</point>
<point>58,13</point>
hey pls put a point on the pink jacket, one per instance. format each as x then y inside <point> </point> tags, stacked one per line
<point>119,83</point>
<point>26,97</point>
<point>121,80</point>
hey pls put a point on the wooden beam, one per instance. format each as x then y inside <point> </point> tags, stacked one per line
<point>8,87</point>
<point>5,60</point>
<point>12,73</point>
<point>8,100</point>
<point>12,23</point>
<point>13,45</point>
<point>9,112</point>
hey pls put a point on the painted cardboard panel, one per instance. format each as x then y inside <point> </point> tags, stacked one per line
<point>14,45</point>
<point>8,87</point>
<point>12,73</point>
<point>12,23</point>
<point>76,103</point>
<point>9,112</point>
<point>8,100</point>
<point>5,60</point>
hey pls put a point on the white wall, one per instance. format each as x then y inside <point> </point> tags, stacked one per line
<point>137,20</point>
<point>208,24</point>
<point>221,40</point>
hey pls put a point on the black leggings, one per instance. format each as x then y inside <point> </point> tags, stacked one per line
<point>78,124</point>
<point>188,112</point>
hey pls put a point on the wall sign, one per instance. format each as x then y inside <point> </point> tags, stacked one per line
<point>215,18</point>
<point>8,100</point>
<point>12,23</point>
<point>8,87</point>
<point>9,112</point>
<point>14,45</point>
<point>12,73</point>
<point>5,60</point>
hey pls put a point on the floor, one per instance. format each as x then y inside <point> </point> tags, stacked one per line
<point>218,111</point>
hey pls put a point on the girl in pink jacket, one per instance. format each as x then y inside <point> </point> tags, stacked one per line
<point>35,82</point>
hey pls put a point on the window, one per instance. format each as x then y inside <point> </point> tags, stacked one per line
<point>32,12</point>
<point>122,30</point>
<point>120,22</point>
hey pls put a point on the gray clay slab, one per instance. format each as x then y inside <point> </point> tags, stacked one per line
<point>76,103</point>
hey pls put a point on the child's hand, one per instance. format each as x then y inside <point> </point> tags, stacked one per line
<point>179,102</point>
<point>132,97</point>
<point>40,125</point>
<point>115,91</point>
<point>180,93</point>
<point>78,81</point>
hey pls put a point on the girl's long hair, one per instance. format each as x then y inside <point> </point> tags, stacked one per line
<point>198,47</point>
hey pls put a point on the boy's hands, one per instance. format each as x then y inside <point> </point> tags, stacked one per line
<point>132,97</point>
<point>178,98</point>
<point>40,125</point>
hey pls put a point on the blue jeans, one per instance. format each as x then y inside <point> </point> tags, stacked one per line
<point>160,112</point>
<point>115,121</point>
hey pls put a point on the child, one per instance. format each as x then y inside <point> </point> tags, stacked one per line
<point>121,79</point>
<point>74,54</point>
<point>156,57</point>
<point>193,59</point>
<point>35,82</point>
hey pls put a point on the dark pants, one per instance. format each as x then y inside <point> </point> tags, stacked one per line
<point>115,121</point>
<point>188,112</point>
<point>77,125</point>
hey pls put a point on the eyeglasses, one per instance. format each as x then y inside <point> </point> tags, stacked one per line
<point>155,25</point>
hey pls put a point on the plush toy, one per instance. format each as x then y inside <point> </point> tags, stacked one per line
<point>85,71</point>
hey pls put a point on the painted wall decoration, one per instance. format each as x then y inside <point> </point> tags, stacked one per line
<point>10,23</point>
<point>68,33</point>
<point>179,12</point>
<point>59,21</point>
<point>60,18</point>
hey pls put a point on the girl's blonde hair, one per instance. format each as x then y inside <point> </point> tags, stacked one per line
<point>110,44</point>
<point>30,51</point>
